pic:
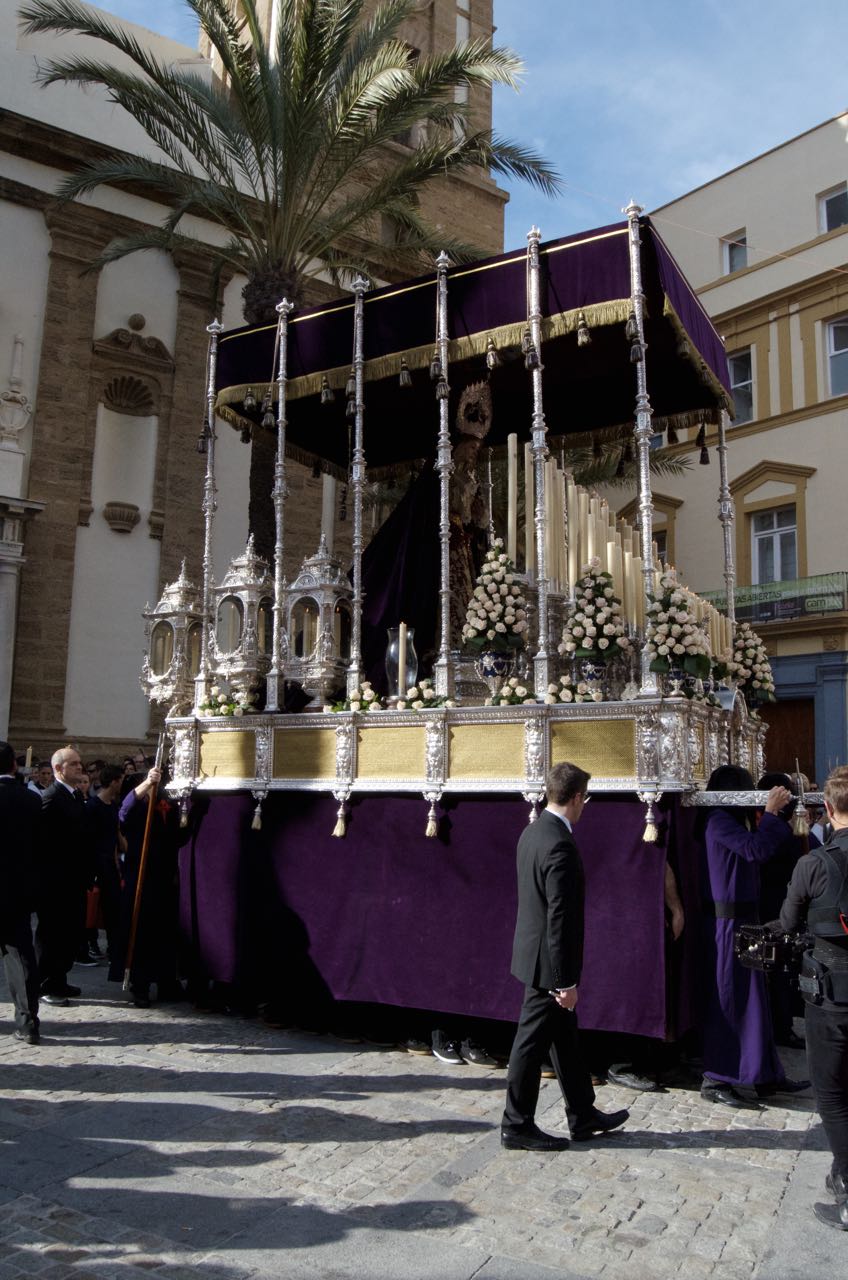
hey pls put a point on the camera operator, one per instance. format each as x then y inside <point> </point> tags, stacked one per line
<point>818,898</point>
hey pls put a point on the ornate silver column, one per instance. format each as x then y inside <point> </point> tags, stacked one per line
<point>726,517</point>
<point>201,683</point>
<point>643,429</point>
<point>443,671</point>
<point>279,639</point>
<point>357,484</point>
<point>539,449</point>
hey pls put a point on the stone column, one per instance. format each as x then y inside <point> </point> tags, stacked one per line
<point>59,469</point>
<point>13,514</point>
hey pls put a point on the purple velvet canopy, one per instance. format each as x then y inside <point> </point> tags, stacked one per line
<point>586,388</point>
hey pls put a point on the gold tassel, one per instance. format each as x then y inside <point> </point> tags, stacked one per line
<point>340,829</point>
<point>183,819</point>
<point>652,834</point>
<point>432,824</point>
<point>184,812</point>
<point>256,824</point>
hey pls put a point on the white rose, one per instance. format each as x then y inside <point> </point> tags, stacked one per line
<point>499,626</point>
<point>400,705</point>
<point>529,702</point>
<point>678,649</point>
<point>214,691</point>
<point>520,627</point>
<point>608,592</point>
<point>566,696</point>
<point>327,707</point>
<point>603,644</point>
<point>597,695</point>
<point>509,578</point>
<point>552,688</point>
<point>449,702</point>
<point>550,699</point>
<point>512,683</point>
<point>662,650</point>
<point>354,706</point>
<point>368,694</point>
<point>577,631</point>
<point>502,558</point>
<point>520,691</point>
<point>428,693</point>
<point>609,629</point>
<point>413,692</point>
<point>490,635</point>
<point>417,706</point>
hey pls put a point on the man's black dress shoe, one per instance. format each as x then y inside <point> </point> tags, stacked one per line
<point>833,1215</point>
<point>29,1035</point>
<point>47,997</point>
<point>68,990</point>
<point>712,1091</point>
<point>595,1122</point>
<point>532,1139</point>
<point>837,1185</point>
<point>781,1086</point>
<point>791,1041</point>
<point>623,1074</point>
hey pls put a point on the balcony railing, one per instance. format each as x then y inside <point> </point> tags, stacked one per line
<point>796,598</point>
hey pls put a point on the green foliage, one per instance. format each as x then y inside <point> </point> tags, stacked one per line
<point>294,150</point>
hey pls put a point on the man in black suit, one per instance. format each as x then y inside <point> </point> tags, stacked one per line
<point>547,957</point>
<point>69,873</point>
<point>20,822</point>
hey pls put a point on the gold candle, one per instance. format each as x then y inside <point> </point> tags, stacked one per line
<point>529,509</point>
<point>512,496</point>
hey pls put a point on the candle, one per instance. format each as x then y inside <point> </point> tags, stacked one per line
<point>28,758</point>
<point>628,601</point>
<point>401,660</point>
<point>328,511</point>
<point>529,510</point>
<point>512,496</point>
<point>562,539</point>
<point>601,541</point>
<point>582,530</point>
<point>550,524</point>
<point>639,592</point>
<point>615,567</point>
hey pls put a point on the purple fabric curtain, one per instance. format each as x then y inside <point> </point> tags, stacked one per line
<point>389,916</point>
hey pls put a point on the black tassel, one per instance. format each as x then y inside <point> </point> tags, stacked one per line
<point>597,451</point>
<point>316,471</point>
<point>705,457</point>
<point>683,349</point>
<point>350,385</point>
<point>249,401</point>
<point>701,438</point>
<point>202,445</point>
<point>442,389</point>
<point>328,395</point>
<point>704,375</point>
<point>631,329</point>
<point>636,353</point>
<point>268,419</point>
<point>245,436</point>
<point>531,359</point>
<point>671,435</point>
<point>492,357</point>
<point>435,367</point>
<point>343,504</point>
<point>404,377</point>
<point>526,341</point>
<point>350,408</point>
<point>584,337</point>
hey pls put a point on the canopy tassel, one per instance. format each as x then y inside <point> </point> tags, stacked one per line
<point>256,822</point>
<point>651,833</point>
<point>340,829</point>
<point>184,804</point>
<point>432,824</point>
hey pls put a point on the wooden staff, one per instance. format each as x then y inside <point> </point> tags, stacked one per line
<point>142,866</point>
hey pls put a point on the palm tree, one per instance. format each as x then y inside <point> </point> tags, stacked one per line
<point>288,150</point>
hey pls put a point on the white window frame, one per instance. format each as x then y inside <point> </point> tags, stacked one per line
<point>733,355</point>
<point>774,534</point>
<point>830,328</point>
<point>822,199</point>
<point>734,240</point>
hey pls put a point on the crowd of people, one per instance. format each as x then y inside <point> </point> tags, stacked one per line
<point>72,864</point>
<point>70,870</point>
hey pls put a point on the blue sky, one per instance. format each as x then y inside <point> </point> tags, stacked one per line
<point>642,100</point>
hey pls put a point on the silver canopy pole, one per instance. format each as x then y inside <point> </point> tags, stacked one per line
<point>279,641</point>
<point>643,431</point>
<point>201,682</point>
<point>726,517</point>
<point>539,449</point>
<point>443,669</point>
<point>357,484</point>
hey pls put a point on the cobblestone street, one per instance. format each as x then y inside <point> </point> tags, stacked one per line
<point>176,1143</point>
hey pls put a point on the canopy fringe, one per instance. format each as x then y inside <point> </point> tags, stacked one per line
<point>696,360</point>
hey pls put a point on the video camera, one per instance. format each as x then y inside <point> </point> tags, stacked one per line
<point>759,946</point>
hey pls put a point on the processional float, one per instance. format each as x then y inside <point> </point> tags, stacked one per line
<point>568,337</point>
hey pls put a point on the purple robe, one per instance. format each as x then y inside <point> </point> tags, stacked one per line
<point>738,1038</point>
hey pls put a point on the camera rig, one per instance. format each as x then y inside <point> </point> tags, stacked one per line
<point>759,946</point>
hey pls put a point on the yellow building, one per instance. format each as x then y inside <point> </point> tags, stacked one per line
<point>766,247</point>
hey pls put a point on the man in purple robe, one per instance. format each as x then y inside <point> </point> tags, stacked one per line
<point>738,1040</point>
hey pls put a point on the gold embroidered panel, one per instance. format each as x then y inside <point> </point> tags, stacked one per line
<point>486,751</point>
<point>391,753</point>
<point>304,753</point>
<point>606,748</point>
<point>230,754</point>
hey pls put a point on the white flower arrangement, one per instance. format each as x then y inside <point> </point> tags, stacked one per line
<point>752,667</point>
<point>569,690</point>
<point>512,694</point>
<point>594,626</point>
<point>362,699</point>
<point>496,617</point>
<point>422,697</point>
<point>235,702</point>
<point>673,636</point>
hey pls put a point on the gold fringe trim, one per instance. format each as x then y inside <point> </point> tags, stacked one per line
<point>697,361</point>
<point>459,349</point>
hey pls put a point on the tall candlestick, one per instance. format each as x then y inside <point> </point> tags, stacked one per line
<point>529,507</point>
<point>628,603</point>
<point>639,593</point>
<point>401,689</point>
<point>512,496</point>
<point>328,511</point>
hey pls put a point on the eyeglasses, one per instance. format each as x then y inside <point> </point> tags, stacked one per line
<point>586,797</point>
